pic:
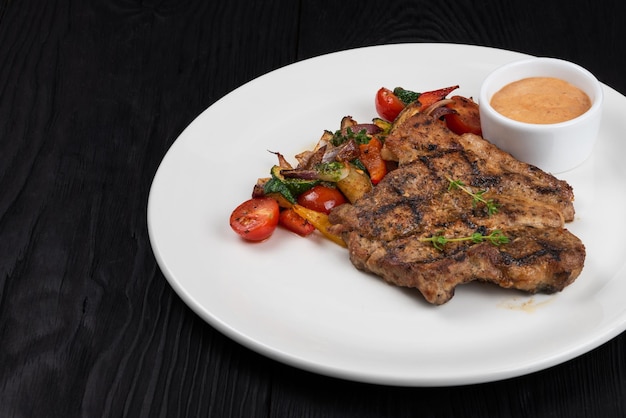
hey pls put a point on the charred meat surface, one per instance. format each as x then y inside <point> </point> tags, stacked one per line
<point>389,231</point>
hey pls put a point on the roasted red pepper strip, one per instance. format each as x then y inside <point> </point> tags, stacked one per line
<point>369,154</point>
<point>295,223</point>
<point>429,97</point>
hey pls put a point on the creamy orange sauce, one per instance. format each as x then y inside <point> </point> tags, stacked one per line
<point>541,100</point>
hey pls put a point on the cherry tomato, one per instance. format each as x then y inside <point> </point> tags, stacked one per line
<point>467,116</point>
<point>255,219</point>
<point>388,106</point>
<point>321,199</point>
<point>295,223</point>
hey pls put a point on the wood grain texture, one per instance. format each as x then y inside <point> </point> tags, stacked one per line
<point>93,93</point>
<point>588,32</point>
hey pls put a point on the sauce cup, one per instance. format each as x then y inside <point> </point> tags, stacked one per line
<point>553,147</point>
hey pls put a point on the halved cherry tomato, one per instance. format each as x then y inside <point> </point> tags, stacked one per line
<point>295,223</point>
<point>467,116</point>
<point>369,154</point>
<point>255,219</point>
<point>388,106</point>
<point>321,198</point>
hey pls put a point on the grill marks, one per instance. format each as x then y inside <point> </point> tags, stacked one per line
<point>384,229</point>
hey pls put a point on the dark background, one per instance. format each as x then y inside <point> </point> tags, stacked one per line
<point>93,93</point>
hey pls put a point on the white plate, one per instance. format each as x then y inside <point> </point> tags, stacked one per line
<point>301,302</point>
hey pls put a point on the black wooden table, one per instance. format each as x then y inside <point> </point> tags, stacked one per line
<point>92,95</point>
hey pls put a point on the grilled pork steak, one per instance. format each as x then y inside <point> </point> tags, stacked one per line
<point>389,231</point>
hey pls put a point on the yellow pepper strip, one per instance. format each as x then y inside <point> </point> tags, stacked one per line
<point>320,221</point>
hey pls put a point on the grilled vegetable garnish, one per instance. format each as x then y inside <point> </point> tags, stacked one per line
<point>351,160</point>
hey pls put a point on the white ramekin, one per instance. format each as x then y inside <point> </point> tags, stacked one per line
<point>556,147</point>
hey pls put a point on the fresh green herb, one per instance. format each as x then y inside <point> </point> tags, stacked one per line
<point>492,207</point>
<point>360,137</point>
<point>406,96</point>
<point>496,237</point>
